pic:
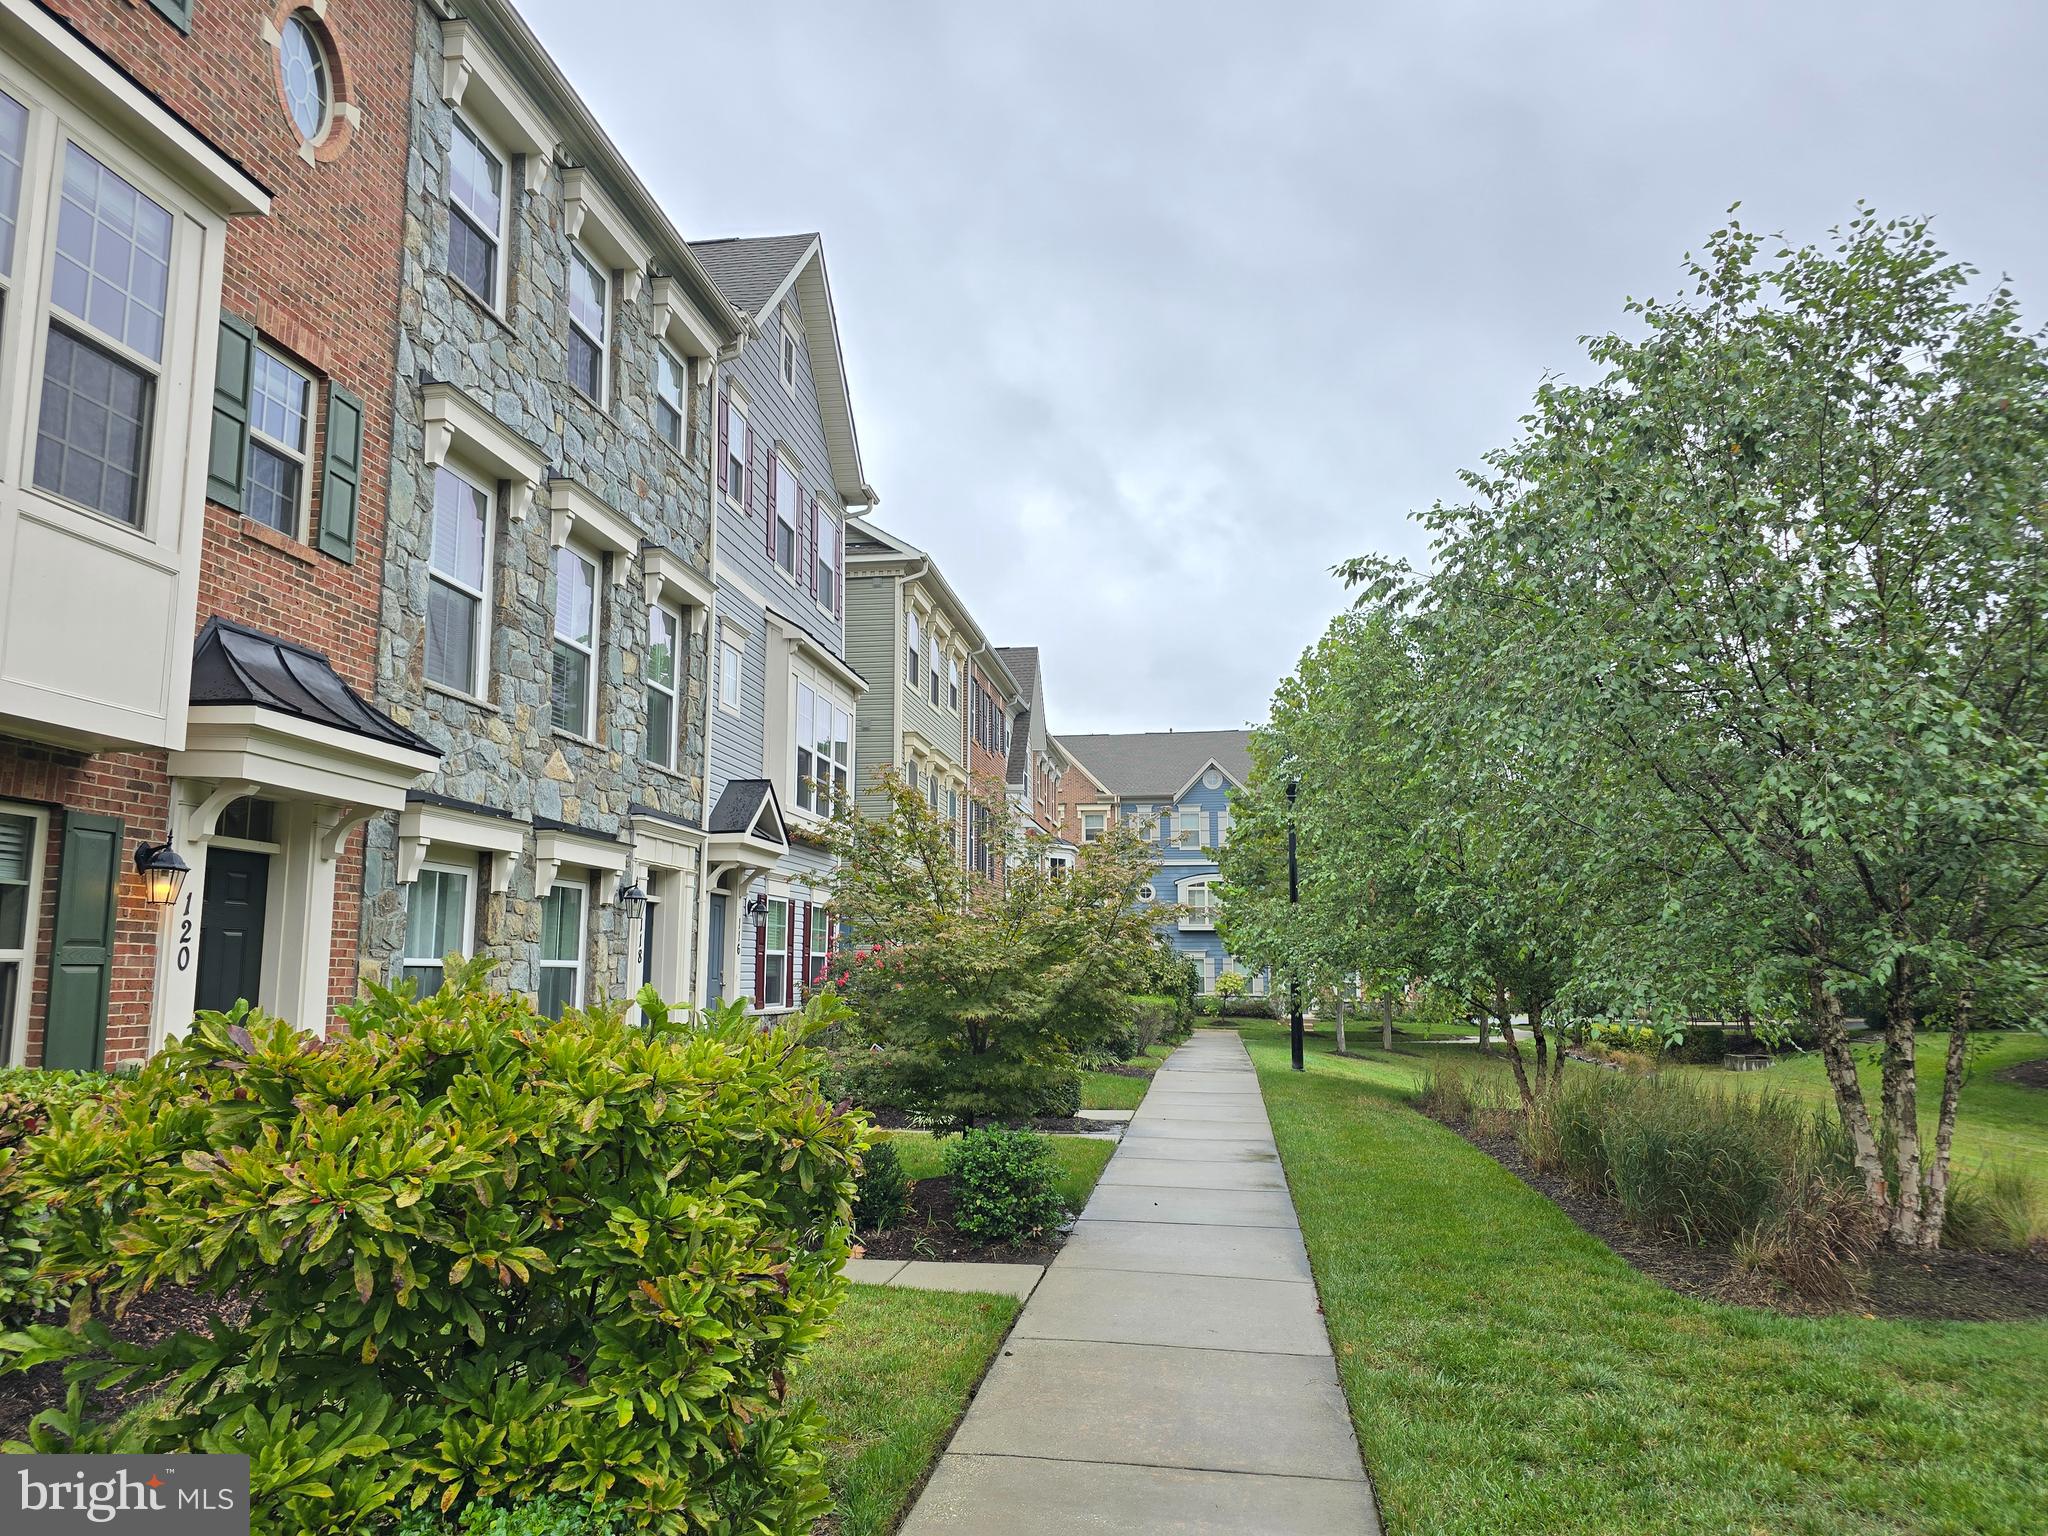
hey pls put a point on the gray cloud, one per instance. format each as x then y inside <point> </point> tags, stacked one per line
<point>1154,312</point>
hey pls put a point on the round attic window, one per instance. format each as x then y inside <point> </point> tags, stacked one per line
<point>307,76</point>
<point>1212,780</point>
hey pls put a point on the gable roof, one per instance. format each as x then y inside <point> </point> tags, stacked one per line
<point>753,274</point>
<point>747,808</point>
<point>233,664</point>
<point>1160,764</point>
<point>1022,660</point>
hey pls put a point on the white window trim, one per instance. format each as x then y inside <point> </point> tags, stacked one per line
<point>674,690</point>
<point>1201,917</point>
<point>663,351</point>
<point>476,84</point>
<point>787,474</point>
<point>555,850</point>
<point>776,1001</point>
<point>423,828</point>
<point>469,874</point>
<point>303,457</point>
<point>728,644</point>
<point>501,284</point>
<point>953,684</point>
<point>1189,823</point>
<point>786,358</point>
<point>833,697</point>
<point>828,518</point>
<point>596,264</point>
<point>32,926</point>
<point>580,965</point>
<point>457,426</point>
<point>479,689</point>
<point>576,514</point>
<point>913,648</point>
<point>736,428</point>
<point>591,652</point>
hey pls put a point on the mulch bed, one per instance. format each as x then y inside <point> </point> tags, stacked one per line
<point>148,1320</point>
<point>927,1232</point>
<point>1118,1069</point>
<point>1048,1125</point>
<point>1947,1285</point>
<point>2028,1074</point>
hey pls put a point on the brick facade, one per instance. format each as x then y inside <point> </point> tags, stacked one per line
<point>1075,790</point>
<point>317,278</point>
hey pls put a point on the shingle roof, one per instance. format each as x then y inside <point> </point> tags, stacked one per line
<point>1022,660</point>
<point>1159,762</point>
<point>232,664</point>
<point>739,805</point>
<point>748,270</point>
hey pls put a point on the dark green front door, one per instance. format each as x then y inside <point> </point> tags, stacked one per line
<point>231,928</point>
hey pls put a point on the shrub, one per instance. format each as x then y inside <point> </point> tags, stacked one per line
<point>28,1102</point>
<point>1995,1210</point>
<point>1701,1047</point>
<point>1059,1096</point>
<point>881,1193</point>
<point>550,1516</point>
<point>1119,1043</point>
<point>1004,1184</point>
<point>1208,1007</point>
<point>1153,1019</point>
<point>486,1256</point>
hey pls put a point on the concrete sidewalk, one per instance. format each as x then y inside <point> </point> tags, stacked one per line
<point>1171,1372</point>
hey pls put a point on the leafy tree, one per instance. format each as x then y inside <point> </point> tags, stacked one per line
<point>979,993</point>
<point>1757,617</point>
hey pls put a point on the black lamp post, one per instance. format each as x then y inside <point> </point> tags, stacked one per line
<point>1293,912</point>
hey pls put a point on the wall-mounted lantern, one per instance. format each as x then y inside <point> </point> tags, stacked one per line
<point>163,873</point>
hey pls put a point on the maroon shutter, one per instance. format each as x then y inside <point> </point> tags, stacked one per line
<point>761,964</point>
<point>724,434</point>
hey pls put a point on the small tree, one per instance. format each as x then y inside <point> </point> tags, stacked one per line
<point>980,993</point>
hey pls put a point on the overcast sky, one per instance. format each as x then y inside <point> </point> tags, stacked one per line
<point>1154,312</point>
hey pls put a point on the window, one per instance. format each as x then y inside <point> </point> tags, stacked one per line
<point>953,806</point>
<point>728,673</point>
<point>913,654</point>
<point>931,646</point>
<point>953,684</point>
<point>13,147</point>
<point>671,395</point>
<point>21,858</point>
<point>931,789</point>
<point>825,562</point>
<point>589,295</point>
<point>476,215</point>
<point>561,949</point>
<point>774,978</point>
<point>824,751</point>
<point>438,923</point>
<point>302,66</point>
<point>1189,833</point>
<point>575,691</point>
<point>1222,828</point>
<point>736,448</point>
<point>457,583</point>
<point>819,932</point>
<point>1093,824</point>
<point>789,493</point>
<point>1200,901</point>
<point>790,348</point>
<point>663,626</point>
<point>111,276</point>
<point>280,417</point>
<point>1148,893</point>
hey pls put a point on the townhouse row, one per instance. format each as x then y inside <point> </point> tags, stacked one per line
<point>412,544</point>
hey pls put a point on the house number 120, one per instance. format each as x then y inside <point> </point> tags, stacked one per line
<point>185,935</point>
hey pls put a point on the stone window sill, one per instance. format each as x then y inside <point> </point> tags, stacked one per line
<point>462,698</point>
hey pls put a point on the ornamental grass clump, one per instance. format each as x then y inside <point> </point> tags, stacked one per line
<point>485,1256</point>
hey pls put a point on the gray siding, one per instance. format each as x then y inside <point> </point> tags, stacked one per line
<point>874,647</point>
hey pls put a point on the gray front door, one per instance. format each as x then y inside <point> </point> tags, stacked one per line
<point>714,985</point>
<point>231,928</point>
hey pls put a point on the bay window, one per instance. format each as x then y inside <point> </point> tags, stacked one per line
<point>458,583</point>
<point>574,697</point>
<point>824,751</point>
<point>663,626</point>
<point>561,948</point>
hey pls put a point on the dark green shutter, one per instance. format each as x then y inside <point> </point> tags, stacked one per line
<point>342,484</point>
<point>82,960</point>
<point>227,463</point>
<point>179,12</point>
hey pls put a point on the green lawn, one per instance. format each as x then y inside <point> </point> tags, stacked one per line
<point>1081,1160</point>
<point>892,1379</point>
<point>1509,1374</point>
<point>1113,1090</point>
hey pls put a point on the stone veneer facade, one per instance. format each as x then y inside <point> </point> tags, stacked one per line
<point>501,750</point>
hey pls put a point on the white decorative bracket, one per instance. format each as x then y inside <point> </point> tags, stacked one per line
<point>335,827</point>
<point>204,818</point>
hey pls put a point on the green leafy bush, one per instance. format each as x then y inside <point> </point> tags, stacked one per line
<point>1119,1042</point>
<point>1059,1095</point>
<point>28,1102</point>
<point>1701,1047</point>
<point>486,1256</point>
<point>1005,1185</point>
<point>882,1193</point>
